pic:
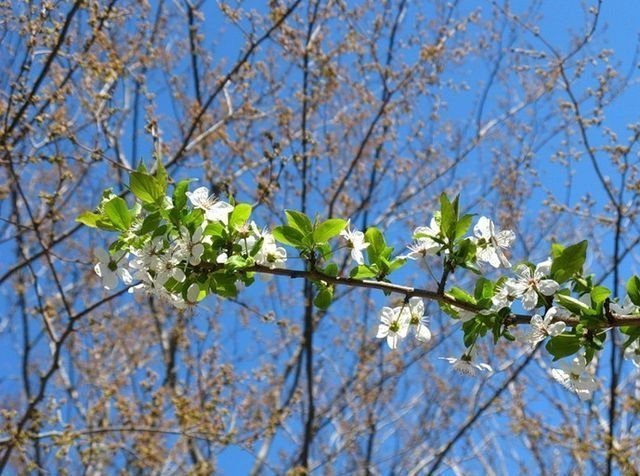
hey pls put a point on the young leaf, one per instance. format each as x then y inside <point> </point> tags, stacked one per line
<point>448,216</point>
<point>323,298</point>
<point>150,223</point>
<point>563,346</point>
<point>331,270</point>
<point>239,215</point>
<point>288,235</point>
<point>461,295</point>
<point>572,304</point>
<point>569,262</point>
<point>633,289</point>
<point>180,194</point>
<point>599,294</point>
<point>117,212</point>
<point>162,178</point>
<point>362,272</point>
<point>89,219</point>
<point>328,229</point>
<point>145,187</point>
<point>299,221</point>
<point>377,246</point>
<point>463,225</point>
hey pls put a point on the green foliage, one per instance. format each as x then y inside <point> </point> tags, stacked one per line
<point>146,187</point>
<point>568,262</point>
<point>563,346</point>
<point>240,214</point>
<point>633,289</point>
<point>324,297</point>
<point>328,229</point>
<point>289,236</point>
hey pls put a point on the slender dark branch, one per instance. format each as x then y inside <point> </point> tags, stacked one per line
<point>410,291</point>
<point>43,72</point>
<point>222,83</point>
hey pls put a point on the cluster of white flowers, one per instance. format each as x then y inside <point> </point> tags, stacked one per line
<point>157,260</point>
<point>395,323</point>
<point>160,266</point>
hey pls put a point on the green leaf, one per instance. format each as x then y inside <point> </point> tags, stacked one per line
<point>180,194</point>
<point>572,304</point>
<point>240,214</point>
<point>150,223</point>
<point>484,289</point>
<point>396,264</point>
<point>331,270</point>
<point>563,346</point>
<point>89,219</point>
<point>288,235</point>
<point>448,216</point>
<point>299,221</point>
<point>633,289</point>
<point>463,225</point>
<point>599,294</point>
<point>569,262</point>
<point>461,295</point>
<point>362,272</point>
<point>472,330</point>
<point>224,284</point>
<point>323,298</point>
<point>214,229</point>
<point>145,187</point>
<point>161,175</point>
<point>377,245</point>
<point>235,262</point>
<point>324,251</point>
<point>556,250</point>
<point>117,212</point>
<point>328,229</point>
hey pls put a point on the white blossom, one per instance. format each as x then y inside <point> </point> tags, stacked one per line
<point>428,232</point>
<point>190,247</point>
<point>575,376</point>
<point>529,284</point>
<point>148,257</point>
<point>424,244</point>
<point>393,326</point>
<point>355,241</point>
<point>168,267</point>
<point>193,291</point>
<point>110,268</point>
<point>543,328</point>
<point>269,254</point>
<point>466,365</point>
<point>491,244</point>
<point>418,322</point>
<point>632,353</point>
<point>214,209</point>
<point>503,298</point>
<point>625,308</point>
<point>422,248</point>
